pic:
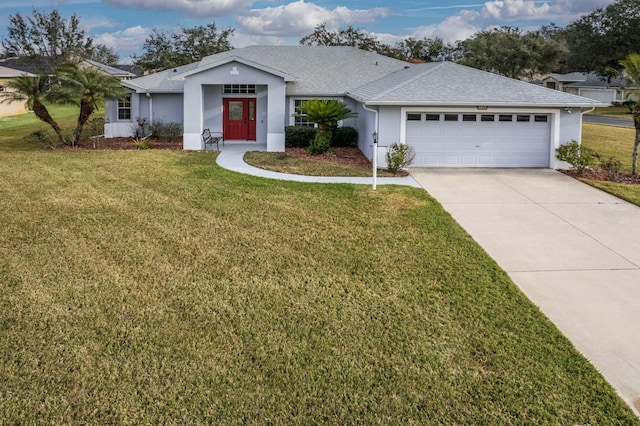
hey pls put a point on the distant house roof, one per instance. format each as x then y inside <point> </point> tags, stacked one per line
<point>133,69</point>
<point>11,72</point>
<point>39,65</point>
<point>107,69</point>
<point>30,65</point>
<point>583,79</point>
<point>447,83</point>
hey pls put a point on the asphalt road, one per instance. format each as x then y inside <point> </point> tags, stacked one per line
<point>608,120</point>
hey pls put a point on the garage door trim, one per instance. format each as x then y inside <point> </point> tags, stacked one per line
<point>554,118</point>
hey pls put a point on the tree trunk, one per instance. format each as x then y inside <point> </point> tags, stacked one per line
<point>86,109</point>
<point>636,144</point>
<point>43,114</point>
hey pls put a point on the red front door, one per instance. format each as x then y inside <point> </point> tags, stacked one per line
<point>239,119</point>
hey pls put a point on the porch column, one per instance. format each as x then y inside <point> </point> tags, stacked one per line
<point>193,114</point>
<point>276,117</point>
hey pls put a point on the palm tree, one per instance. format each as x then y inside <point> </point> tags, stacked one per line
<point>631,75</point>
<point>86,86</point>
<point>325,113</point>
<point>35,91</point>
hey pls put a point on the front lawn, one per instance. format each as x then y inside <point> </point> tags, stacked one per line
<point>616,142</point>
<point>149,287</point>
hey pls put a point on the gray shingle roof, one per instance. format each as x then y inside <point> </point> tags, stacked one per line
<point>113,71</point>
<point>447,83</point>
<point>583,79</point>
<point>320,70</point>
<point>369,77</point>
<point>315,70</point>
<point>160,82</point>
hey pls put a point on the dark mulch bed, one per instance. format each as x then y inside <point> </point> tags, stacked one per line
<point>603,175</point>
<point>348,155</point>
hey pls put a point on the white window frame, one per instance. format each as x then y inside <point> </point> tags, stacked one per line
<point>123,106</point>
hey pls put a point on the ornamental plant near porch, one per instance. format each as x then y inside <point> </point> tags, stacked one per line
<point>325,113</point>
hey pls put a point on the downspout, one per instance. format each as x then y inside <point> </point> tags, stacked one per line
<point>581,121</point>
<point>150,107</point>
<point>375,145</point>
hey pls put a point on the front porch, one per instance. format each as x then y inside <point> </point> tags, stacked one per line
<point>245,104</point>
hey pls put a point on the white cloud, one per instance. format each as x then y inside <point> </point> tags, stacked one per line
<point>299,18</point>
<point>452,29</point>
<point>503,12</point>
<point>195,8</point>
<point>90,24</point>
<point>128,40</point>
<point>495,13</point>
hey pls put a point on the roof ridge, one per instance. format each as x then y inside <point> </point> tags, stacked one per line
<point>405,82</point>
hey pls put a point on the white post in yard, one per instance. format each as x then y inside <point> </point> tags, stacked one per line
<point>375,159</point>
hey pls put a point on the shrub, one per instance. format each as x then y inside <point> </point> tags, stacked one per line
<point>399,156</point>
<point>42,137</point>
<point>169,131</point>
<point>578,156</point>
<point>344,136</point>
<point>141,128</point>
<point>298,136</point>
<point>321,143</point>
<point>172,131</point>
<point>96,129</point>
<point>142,143</point>
<point>611,167</point>
<point>630,104</point>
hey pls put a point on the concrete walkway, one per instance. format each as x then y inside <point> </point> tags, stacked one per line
<point>231,158</point>
<point>572,249</point>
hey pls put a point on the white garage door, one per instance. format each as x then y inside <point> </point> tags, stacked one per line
<point>607,96</point>
<point>479,140</point>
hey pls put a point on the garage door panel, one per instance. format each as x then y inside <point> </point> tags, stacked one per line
<point>481,144</point>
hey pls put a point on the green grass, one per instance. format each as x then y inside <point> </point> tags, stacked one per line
<point>630,193</point>
<point>283,163</point>
<point>147,287</point>
<point>614,112</point>
<point>610,141</point>
<point>13,130</point>
<point>617,142</point>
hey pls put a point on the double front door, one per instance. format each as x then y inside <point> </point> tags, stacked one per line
<point>239,121</point>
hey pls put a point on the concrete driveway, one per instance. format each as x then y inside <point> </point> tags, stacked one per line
<point>572,249</point>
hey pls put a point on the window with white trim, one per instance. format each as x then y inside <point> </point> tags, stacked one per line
<point>241,89</point>
<point>300,121</point>
<point>124,108</point>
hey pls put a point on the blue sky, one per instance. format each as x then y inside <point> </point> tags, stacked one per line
<point>124,24</point>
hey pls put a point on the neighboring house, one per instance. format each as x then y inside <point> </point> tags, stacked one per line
<point>589,85</point>
<point>107,69</point>
<point>133,69</point>
<point>450,114</point>
<point>30,66</point>
<point>10,108</point>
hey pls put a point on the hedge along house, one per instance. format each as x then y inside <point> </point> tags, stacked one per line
<point>452,115</point>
